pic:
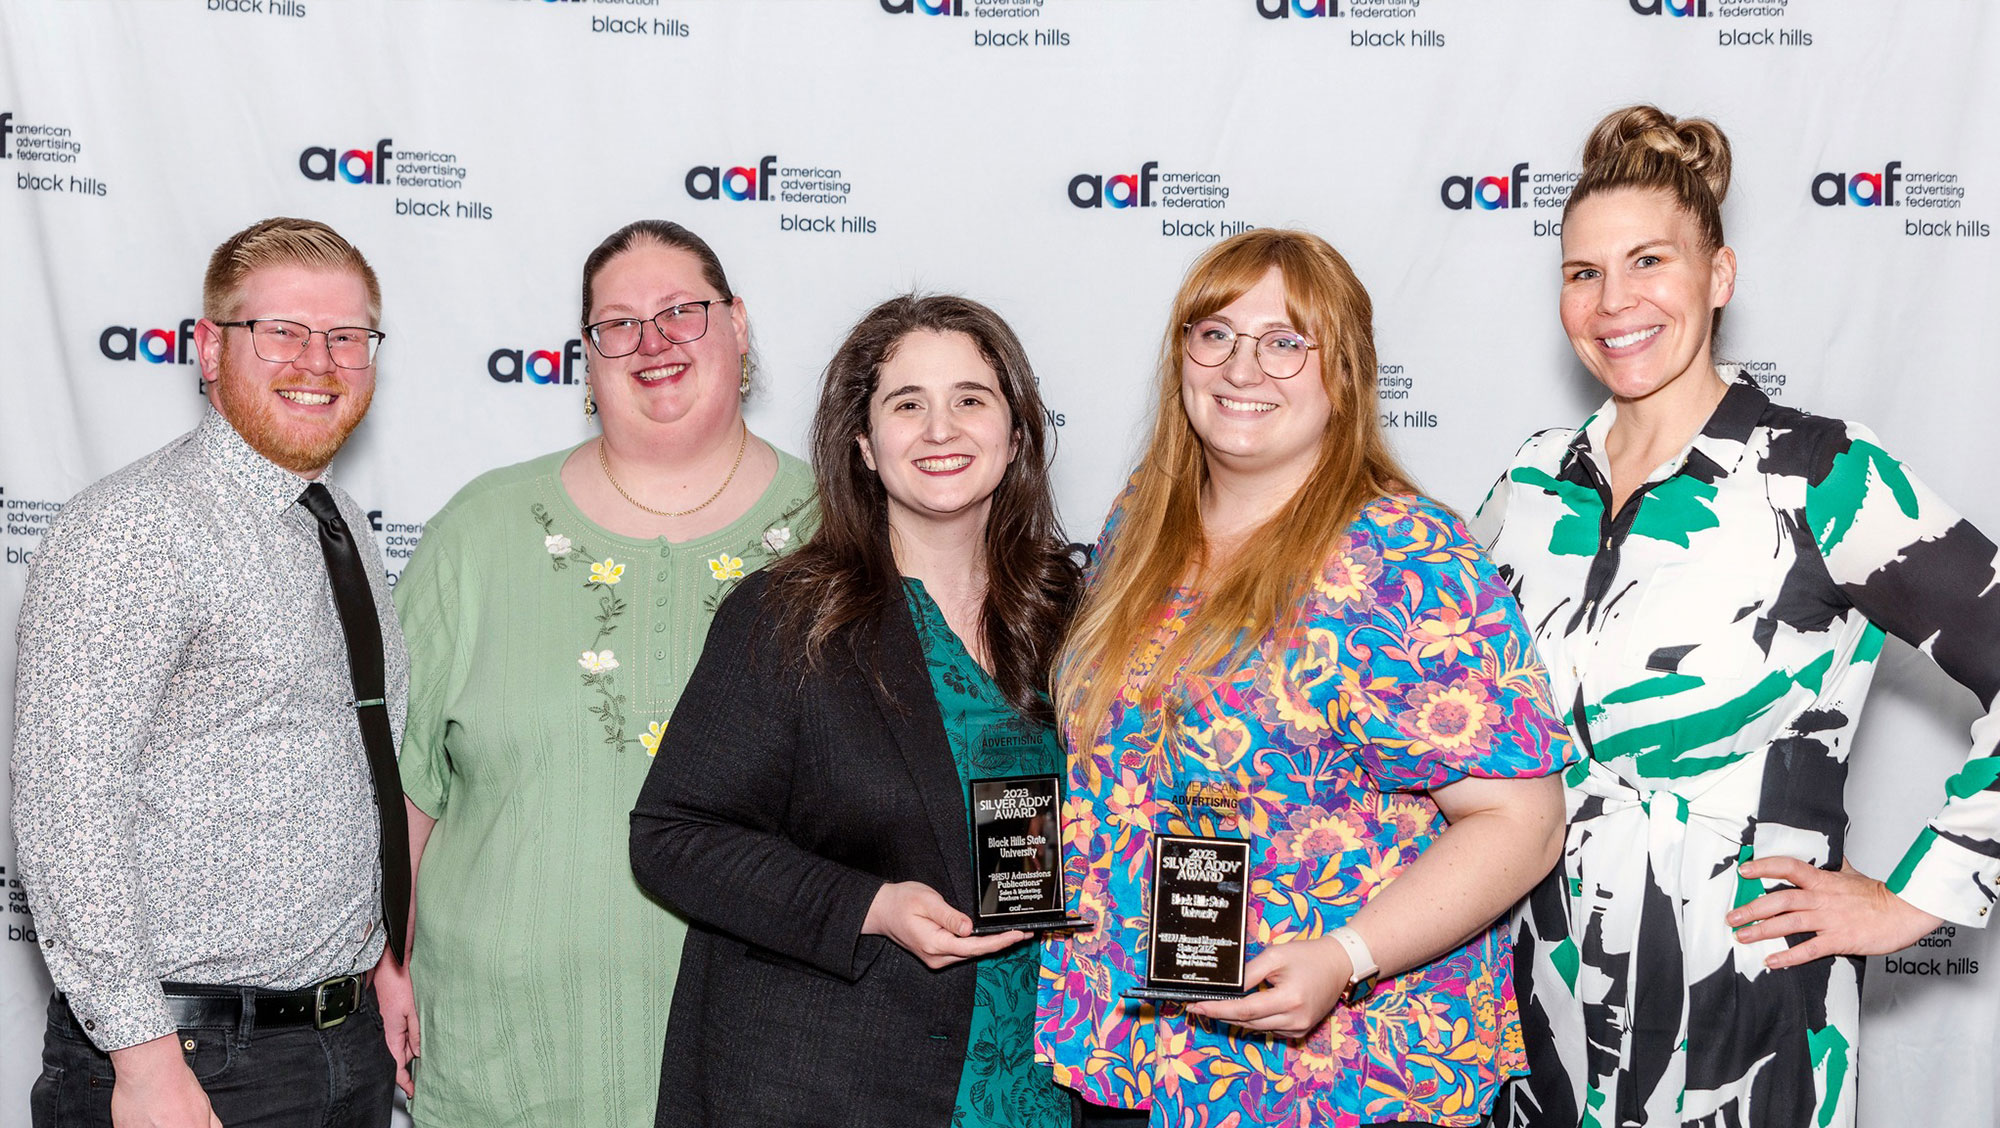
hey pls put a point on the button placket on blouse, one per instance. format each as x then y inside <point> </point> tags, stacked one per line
<point>660,622</point>
<point>1614,529</point>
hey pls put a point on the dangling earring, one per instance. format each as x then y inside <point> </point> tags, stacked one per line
<point>589,402</point>
<point>743,385</point>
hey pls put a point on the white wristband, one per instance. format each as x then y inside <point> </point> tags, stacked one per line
<point>1363,961</point>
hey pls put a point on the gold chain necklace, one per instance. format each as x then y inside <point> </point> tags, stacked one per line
<point>606,464</point>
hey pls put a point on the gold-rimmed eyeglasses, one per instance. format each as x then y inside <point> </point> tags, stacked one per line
<point>1281,353</point>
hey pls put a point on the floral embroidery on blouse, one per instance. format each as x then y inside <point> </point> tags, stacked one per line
<point>769,544</point>
<point>727,567</point>
<point>650,739</point>
<point>1408,669</point>
<point>597,661</point>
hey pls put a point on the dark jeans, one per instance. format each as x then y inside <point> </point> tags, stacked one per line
<point>283,1077</point>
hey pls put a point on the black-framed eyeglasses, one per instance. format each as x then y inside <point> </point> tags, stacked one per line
<point>282,342</point>
<point>678,324</point>
<point>1281,353</point>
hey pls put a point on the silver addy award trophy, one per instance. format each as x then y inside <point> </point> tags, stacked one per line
<point>1017,840</point>
<point>1200,913</point>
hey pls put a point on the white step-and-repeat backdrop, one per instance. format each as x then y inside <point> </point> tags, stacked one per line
<point>1061,160</point>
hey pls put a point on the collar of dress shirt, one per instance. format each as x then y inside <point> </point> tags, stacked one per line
<point>1713,454</point>
<point>270,487</point>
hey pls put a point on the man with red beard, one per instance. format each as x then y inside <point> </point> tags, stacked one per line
<point>210,683</point>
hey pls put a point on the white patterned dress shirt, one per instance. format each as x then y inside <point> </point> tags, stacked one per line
<point>191,795</point>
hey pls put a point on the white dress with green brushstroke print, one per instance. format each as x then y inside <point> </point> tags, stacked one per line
<point>1714,641</point>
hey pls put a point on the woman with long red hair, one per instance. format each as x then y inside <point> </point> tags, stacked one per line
<point>1283,642</point>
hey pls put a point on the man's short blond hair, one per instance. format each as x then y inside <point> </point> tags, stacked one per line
<point>277,242</point>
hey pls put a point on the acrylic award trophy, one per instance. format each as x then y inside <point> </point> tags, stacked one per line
<point>1200,911</point>
<point>1017,843</point>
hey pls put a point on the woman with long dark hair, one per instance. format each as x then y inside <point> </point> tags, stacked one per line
<point>808,806</point>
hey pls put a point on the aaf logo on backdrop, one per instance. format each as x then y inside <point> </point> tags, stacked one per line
<point>353,166</point>
<point>1304,9</point>
<point>1356,9</point>
<point>384,165</point>
<point>1864,189</point>
<point>1703,9</point>
<point>1118,190</point>
<point>1487,193</point>
<point>1150,187</point>
<point>742,182</point>
<point>1519,187</point>
<point>537,366</point>
<point>1732,10</point>
<point>1011,36</point>
<point>1910,190</point>
<point>767,181</point>
<point>155,346</point>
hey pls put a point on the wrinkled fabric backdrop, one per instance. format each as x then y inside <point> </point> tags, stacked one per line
<point>1061,160</point>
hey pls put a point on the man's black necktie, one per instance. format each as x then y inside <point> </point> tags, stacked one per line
<point>355,601</point>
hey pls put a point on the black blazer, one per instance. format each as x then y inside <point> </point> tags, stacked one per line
<point>777,806</point>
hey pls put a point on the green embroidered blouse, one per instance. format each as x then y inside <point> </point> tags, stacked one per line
<point>547,655</point>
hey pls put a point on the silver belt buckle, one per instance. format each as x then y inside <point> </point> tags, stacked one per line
<point>320,1021</point>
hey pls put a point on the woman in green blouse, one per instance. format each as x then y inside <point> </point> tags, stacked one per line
<point>808,806</point>
<point>555,610</point>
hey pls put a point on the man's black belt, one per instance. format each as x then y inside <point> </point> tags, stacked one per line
<point>194,1005</point>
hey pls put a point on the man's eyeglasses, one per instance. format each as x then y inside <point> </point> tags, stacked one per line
<point>1281,353</point>
<point>679,324</point>
<point>282,342</point>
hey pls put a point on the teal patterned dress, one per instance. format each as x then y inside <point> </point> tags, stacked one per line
<point>1001,1086</point>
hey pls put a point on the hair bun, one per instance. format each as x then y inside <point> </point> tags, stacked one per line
<point>1696,143</point>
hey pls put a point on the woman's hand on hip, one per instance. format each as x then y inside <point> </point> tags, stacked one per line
<point>1848,913</point>
<point>1302,981</point>
<point>925,925</point>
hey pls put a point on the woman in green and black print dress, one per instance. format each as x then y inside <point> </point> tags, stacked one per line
<point>1710,578</point>
<point>808,809</point>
